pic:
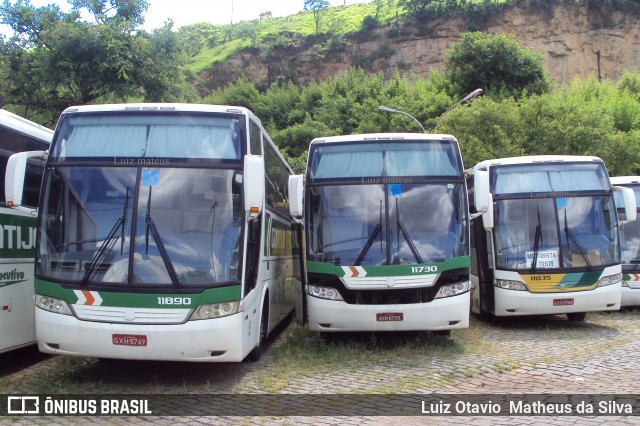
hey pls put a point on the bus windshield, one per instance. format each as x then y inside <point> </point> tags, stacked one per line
<point>554,215</point>
<point>555,233</point>
<point>387,224</point>
<point>141,226</point>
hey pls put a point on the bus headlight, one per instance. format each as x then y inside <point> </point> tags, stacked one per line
<point>611,279</point>
<point>510,285</point>
<point>214,310</point>
<point>453,289</point>
<point>52,304</point>
<point>324,292</point>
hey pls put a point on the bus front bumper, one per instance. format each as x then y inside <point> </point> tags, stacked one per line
<point>337,316</point>
<point>515,303</point>
<point>216,340</point>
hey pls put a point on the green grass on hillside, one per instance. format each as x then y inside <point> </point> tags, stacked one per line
<point>338,21</point>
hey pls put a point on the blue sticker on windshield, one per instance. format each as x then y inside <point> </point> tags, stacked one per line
<point>395,190</point>
<point>150,177</point>
<point>561,203</point>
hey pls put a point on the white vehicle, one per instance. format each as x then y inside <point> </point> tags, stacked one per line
<point>386,229</point>
<point>21,142</point>
<point>164,234</point>
<point>629,244</point>
<point>544,238</point>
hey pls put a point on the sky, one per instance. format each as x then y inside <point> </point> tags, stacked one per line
<point>185,12</point>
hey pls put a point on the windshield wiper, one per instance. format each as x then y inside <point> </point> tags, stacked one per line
<point>402,230</point>
<point>101,253</point>
<point>151,227</point>
<point>368,244</point>
<point>537,240</point>
<point>370,240</point>
<point>572,237</point>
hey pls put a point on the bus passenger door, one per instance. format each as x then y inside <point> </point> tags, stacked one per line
<point>298,248</point>
<point>299,272</point>
<point>253,182</point>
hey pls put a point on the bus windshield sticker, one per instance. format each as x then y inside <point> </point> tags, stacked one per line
<point>395,189</point>
<point>561,203</point>
<point>150,177</point>
<point>545,259</point>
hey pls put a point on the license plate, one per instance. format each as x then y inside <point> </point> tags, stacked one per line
<point>129,340</point>
<point>562,302</point>
<point>387,316</point>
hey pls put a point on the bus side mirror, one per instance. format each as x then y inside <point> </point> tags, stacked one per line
<point>15,175</point>
<point>482,197</point>
<point>253,185</point>
<point>296,195</point>
<point>629,198</point>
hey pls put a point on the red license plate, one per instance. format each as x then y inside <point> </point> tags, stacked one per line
<point>562,302</point>
<point>390,316</point>
<point>129,340</point>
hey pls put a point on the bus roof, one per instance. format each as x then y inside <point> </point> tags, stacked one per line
<point>365,137</point>
<point>24,126</point>
<point>530,159</point>
<point>179,107</point>
<point>621,180</point>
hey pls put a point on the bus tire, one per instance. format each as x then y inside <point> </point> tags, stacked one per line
<point>256,353</point>
<point>576,316</point>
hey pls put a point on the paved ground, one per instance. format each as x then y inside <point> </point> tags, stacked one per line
<point>540,356</point>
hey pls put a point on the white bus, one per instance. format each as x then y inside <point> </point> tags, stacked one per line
<point>629,244</point>
<point>21,142</point>
<point>164,234</point>
<point>386,229</point>
<point>544,237</point>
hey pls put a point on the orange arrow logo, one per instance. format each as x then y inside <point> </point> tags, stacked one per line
<point>89,296</point>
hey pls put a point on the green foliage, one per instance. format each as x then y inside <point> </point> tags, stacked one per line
<point>497,64</point>
<point>583,118</point>
<point>486,129</point>
<point>342,20</point>
<point>56,60</point>
<point>318,8</point>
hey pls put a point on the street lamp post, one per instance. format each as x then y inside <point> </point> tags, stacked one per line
<point>388,109</point>
<point>470,96</point>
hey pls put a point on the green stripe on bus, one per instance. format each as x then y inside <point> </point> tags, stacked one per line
<point>17,236</point>
<point>580,279</point>
<point>142,300</point>
<point>393,270</point>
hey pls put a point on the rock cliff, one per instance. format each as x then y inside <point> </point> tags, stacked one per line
<point>574,41</point>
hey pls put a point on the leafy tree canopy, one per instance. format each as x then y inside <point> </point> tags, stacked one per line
<point>55,59</point>
<point>497,64</point>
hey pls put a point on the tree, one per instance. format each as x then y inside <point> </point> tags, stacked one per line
<point>55,59</point>
<point>416,8</point>
<point>497,64</point>
<point>318,8</point>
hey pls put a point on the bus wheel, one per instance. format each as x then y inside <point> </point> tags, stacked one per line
<point>576,316</point>
<point>256,353</point>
